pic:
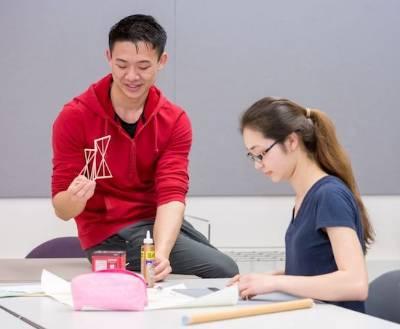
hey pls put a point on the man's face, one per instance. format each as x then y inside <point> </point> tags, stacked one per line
<point>134,68</point>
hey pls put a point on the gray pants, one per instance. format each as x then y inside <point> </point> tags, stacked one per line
<point>192,253</point>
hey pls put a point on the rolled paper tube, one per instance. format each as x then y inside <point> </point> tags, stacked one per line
<point>248,311</point>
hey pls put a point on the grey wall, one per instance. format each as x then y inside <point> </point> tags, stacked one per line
<point>339,56</point>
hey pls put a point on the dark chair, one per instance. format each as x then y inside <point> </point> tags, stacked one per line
<point>384,297</point>
<point>64,247</point>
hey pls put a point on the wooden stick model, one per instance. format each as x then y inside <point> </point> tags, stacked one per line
<point>248,311</point>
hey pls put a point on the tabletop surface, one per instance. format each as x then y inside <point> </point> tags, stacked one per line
<point>49,313</point>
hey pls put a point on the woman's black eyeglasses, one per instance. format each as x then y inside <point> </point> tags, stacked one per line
<point>258,158</point>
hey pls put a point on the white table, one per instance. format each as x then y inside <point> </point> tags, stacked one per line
<point>50,314</point>
<point>10,321</point>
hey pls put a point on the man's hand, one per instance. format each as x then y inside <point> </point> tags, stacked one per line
<point>71,202</point>
<point>81,189</point>
<point>162,268</point>
<point>166,229</point>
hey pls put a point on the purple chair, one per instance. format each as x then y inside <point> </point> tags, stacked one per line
<point>64,247</point>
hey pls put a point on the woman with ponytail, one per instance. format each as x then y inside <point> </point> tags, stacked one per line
<point>329,232</point>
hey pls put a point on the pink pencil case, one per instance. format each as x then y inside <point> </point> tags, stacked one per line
<point>117,290</point>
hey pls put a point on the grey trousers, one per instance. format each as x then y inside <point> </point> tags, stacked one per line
<point>192,253</point>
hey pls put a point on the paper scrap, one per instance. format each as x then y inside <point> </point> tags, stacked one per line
<point>168,298</point>
<point>28,290</point>
<point>56,287</point>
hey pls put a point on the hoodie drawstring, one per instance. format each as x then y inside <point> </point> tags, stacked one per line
<point>156,134</point>
<point>106,127</point>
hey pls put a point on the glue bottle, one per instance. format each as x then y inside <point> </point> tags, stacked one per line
<point>147,260</point>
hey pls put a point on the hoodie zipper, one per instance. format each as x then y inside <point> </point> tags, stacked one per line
<point>132,170</point>
<point>132,163</point>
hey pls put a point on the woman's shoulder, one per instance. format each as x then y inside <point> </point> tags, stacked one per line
<point>331,184</point>
<point>331,189</point>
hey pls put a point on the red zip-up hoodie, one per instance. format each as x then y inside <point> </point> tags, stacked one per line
<point>148,170</point>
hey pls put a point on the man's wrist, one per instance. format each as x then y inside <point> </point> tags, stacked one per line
<point>160,252</point>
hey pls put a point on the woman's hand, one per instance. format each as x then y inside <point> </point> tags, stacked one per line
<point>254,284</point>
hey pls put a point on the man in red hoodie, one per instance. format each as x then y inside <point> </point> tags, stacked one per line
<point>147,156</point>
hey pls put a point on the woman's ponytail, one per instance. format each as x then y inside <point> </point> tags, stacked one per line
<point>333,159</point>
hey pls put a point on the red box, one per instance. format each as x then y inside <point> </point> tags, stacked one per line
<point>108,260</point>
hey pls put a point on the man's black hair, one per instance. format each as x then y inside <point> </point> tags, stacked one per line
<point>139,28</point>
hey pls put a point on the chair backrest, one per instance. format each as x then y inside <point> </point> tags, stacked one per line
<point>64,247</point>
<point>384,297</point>
<point>201,219</point>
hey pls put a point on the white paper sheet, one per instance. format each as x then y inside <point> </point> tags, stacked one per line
<point>168,298</point>
<point>158,298</point>
<point>56,287</point>
<point>21,291</point>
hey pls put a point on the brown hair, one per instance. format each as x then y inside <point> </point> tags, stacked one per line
<point>276,118</point>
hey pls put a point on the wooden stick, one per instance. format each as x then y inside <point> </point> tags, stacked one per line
<point>248,311</point>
